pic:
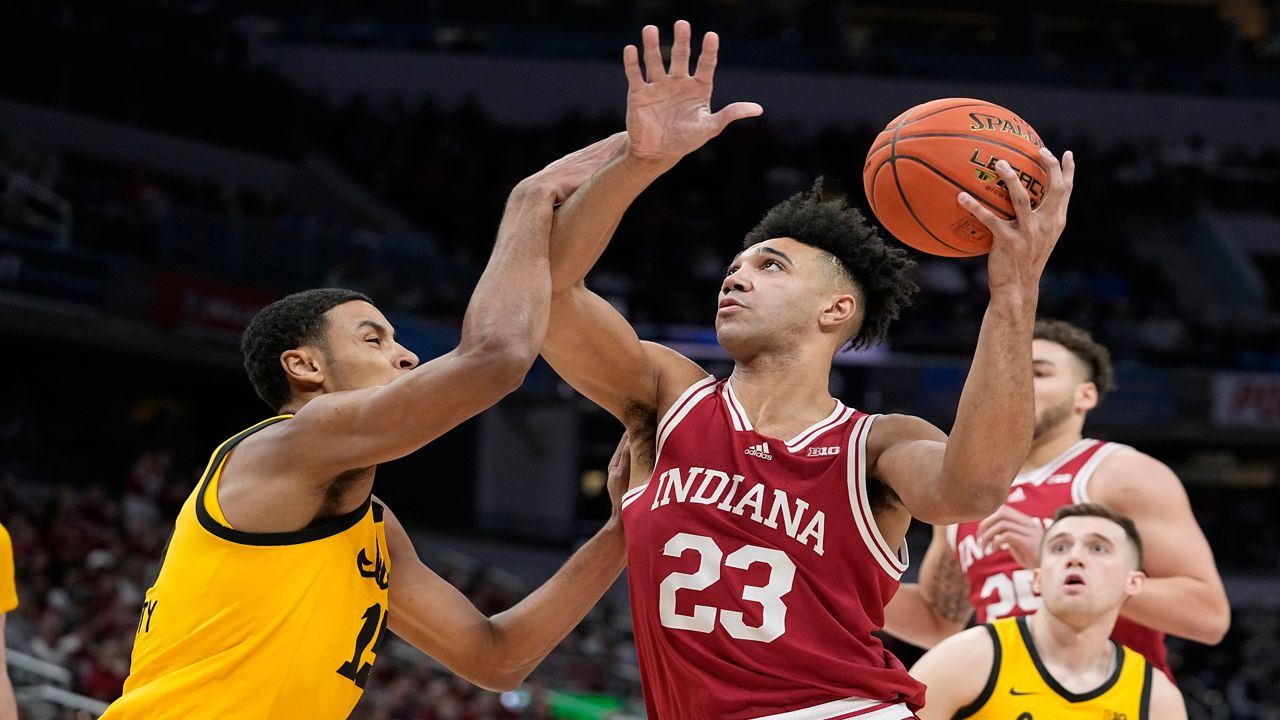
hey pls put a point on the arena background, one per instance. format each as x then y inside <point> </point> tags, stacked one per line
<point>167,167</point>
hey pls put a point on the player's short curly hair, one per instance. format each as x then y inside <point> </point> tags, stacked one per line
<point>878,270</point>
<point>1095,357</point>
<point>290,322</point>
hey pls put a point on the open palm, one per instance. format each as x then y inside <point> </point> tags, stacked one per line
<point>669,112</point>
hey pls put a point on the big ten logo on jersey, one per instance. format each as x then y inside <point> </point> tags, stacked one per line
<point>970,552</point>
<point>723,492</point>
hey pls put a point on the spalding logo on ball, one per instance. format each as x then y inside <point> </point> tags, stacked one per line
<point>930,153</point>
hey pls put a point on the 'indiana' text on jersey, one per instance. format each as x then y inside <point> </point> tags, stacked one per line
<point>758,573</point>
<point>259,625</point>
<point>1000,587</point>
<point>1021,687</point>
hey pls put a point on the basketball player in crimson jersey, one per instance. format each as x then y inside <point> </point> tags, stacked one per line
<point>988,565</point>
<point>765,521</point>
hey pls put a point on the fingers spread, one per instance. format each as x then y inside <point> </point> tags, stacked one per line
<point>979,211</point>
<point>736,111</point>
<point>680,50</point>
<point>707,58</point>
<point>652,54</point>
<point>1017,193</point>
<point>631,66</point>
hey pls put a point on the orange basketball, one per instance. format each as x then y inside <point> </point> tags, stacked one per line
<point>928,154</point>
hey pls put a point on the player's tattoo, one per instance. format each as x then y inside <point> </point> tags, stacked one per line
<point>947,592</point>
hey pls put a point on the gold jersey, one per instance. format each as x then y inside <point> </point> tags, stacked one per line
<point>258,625</point>
<point>8,588</point>
<point>1020,688</point>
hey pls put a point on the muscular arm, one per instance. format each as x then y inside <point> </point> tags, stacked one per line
<point>956,671</point>
<point>938,607</point>
<point>967,476</point>
<point>497,652</point>
<point>1183,594</point>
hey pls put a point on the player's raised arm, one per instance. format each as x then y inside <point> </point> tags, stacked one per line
<point>967,476</point>
<point>499,652</point>
<point>668,116</point>
<point>502,331</point>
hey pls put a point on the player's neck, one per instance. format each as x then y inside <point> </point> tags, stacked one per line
<point>1079,655</point>
<point>1052,444</point>
<point>783,395</point>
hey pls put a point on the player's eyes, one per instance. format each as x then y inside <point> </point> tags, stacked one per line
<point>773,263</point>
<point>731,271</point>
<point>374,340</point>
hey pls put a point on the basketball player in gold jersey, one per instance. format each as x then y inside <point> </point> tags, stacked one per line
<point>284,571</point>
<point>1059,663</point>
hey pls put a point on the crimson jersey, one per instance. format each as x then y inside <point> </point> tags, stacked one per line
<point>999,587</point>
<point>757,571</point>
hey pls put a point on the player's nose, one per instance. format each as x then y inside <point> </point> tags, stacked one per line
<point>735,282</point>
<point>407,360</point>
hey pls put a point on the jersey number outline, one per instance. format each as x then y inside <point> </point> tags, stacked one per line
<point>375,624</point>
<point>1010,592</point>
<point>773,619</point>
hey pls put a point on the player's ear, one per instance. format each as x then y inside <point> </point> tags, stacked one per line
<point>839,310</point>
<point>304,367</point>
<point>1087,396</point>
<point>1135,582</point>
<point>1035,581</point>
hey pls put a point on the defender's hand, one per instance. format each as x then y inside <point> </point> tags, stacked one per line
<point>1020,247</point>
<point>562,177</point>
<point>619,474</point>
<point>669,112</point>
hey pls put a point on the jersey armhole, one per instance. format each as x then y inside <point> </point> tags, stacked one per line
<point>990,688</point>
<point>1144,708</point>
<point>892,563</point>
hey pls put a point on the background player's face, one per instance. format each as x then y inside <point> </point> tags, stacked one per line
<point>772,298</point>
<point>1062,391</point>
<point>362,351</point>
<point>1088,567</point>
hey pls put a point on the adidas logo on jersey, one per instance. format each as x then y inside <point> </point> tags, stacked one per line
<point>1017,495</point>
<point>761,451</point>
<point>1060,479</point>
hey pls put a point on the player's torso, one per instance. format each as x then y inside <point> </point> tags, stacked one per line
<point>756,569</point>
<point>253,625</point>
<point>999,586</point>
<point>1022,687</point>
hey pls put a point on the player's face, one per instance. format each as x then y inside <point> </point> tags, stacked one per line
<point>362,351</point>
<point>1087,567</point>
<point>771,297</point>
<point>1058,383</point>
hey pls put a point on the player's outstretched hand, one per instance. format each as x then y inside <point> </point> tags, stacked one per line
<point>668,110</point>
<point>1020,247</point>
<point>619,474</point>
<point>567,174</point>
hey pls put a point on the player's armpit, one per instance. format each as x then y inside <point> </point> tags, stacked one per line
<point>1166,700</point>
<point>936,608</point>
<point>596,351</point>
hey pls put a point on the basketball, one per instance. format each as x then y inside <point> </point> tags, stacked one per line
<point>928,154</point>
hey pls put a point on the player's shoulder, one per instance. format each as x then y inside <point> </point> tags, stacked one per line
<point>1129,470</point>
<point>1166,699</point>
<point>975,645</point>
<point>894,428</point>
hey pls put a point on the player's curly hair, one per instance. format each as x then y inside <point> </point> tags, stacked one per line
<point>290,322</point>
<point>878,270</point>
<point>1095,356</point>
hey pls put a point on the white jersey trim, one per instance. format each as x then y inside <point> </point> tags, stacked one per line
<point>629,496</point>
<point>680,408</point>
<point>847,708</point>
<point>953,531</point>
<point>1042,473</point>
<point>837,416</point>
<point>894,564</point>
<point>1080,485</point>
<point>736,411</point>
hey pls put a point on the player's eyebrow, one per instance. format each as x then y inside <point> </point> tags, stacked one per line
<point>376,327</point>
<point>765,249</point>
